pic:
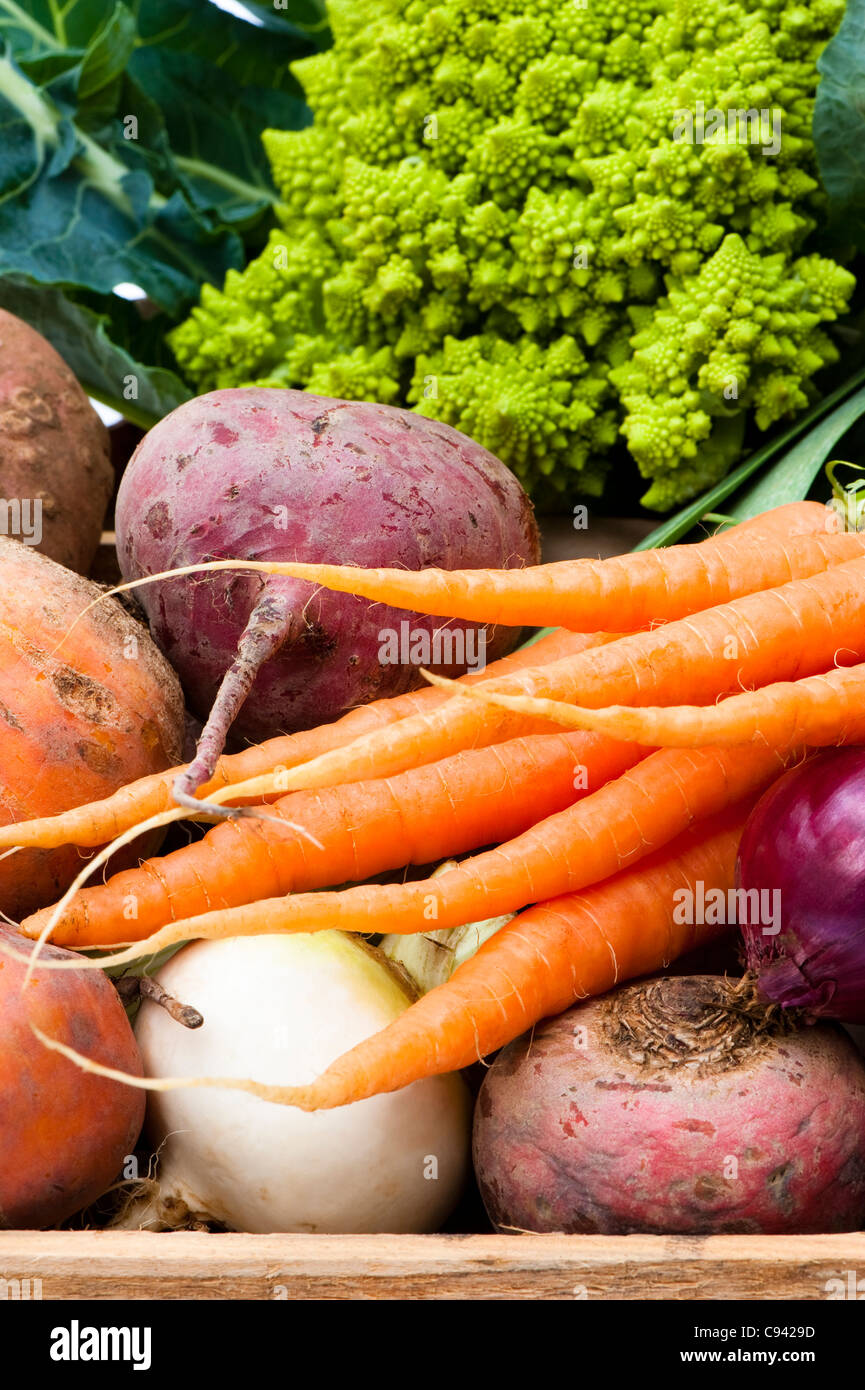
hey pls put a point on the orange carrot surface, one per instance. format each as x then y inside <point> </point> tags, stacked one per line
<point>611,829</point>
<point>537,965</point>
<point>622,594</point>
<point>470,800</point>
<point>799,629</point>
<point>100,821</point>
<point>818,711</point>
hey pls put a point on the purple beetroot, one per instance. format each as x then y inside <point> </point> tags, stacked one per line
<point>265,474</point>
<point>675,1105</point>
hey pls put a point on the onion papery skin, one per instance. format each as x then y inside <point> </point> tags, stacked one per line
<point>806,839</point>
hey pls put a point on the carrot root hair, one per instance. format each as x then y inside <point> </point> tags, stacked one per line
<point>278,1095</point>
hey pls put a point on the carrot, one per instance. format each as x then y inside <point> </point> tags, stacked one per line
<point>537,965</point>
<point>624,593</point>
<point>798,629</point>
<point>97,823</point>
<point>427,814</point>
<point>100,821</point>
<point>645,808</point>
<point>107,852</point>
<point>818,711</point>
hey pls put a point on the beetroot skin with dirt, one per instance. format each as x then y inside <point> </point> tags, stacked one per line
<point>266,474</point>
<point>654,1110</point>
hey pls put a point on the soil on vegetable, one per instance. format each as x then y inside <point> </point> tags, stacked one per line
<point>709,1026</point>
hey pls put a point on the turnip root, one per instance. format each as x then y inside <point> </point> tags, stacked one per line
<point>262,474</point>
<point>85,707</point>
<point>280,1009</point>
<point>56,476</point>
<point>674,1105</point>
<point>63,1133</point>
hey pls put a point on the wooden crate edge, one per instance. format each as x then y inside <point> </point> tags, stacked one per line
<point>194,1265</point>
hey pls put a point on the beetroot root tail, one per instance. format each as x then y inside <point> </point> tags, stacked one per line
<point>265,632</point>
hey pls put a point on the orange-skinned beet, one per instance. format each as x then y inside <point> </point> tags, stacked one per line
<point>82,711</point>
<point>63,1132</point>
<point>54,449</point>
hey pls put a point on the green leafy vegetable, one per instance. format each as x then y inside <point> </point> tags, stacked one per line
<point>130,152</point>
<point>791,478</point>
<point>839,123</point>
<point>187,53</point>
<point>307,18</point>
<point>103,349</point>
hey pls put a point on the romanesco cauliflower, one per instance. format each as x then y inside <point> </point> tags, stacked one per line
<point>549,223</point>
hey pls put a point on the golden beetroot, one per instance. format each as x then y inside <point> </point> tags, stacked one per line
<point>83,710</point>
<point>63,1132</point>
<point>55,467</point>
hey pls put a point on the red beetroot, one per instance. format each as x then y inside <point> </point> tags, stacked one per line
<point>268,474</point>
<point>657,1109</point>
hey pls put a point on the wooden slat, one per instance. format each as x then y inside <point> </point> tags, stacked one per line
<point>143,1265</point>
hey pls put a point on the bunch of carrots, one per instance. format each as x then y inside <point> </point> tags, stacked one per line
<point>611,763</point>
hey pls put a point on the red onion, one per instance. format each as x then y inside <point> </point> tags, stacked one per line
<point>806,838</point>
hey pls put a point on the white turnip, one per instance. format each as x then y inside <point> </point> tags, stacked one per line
<point>280,1009</point>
